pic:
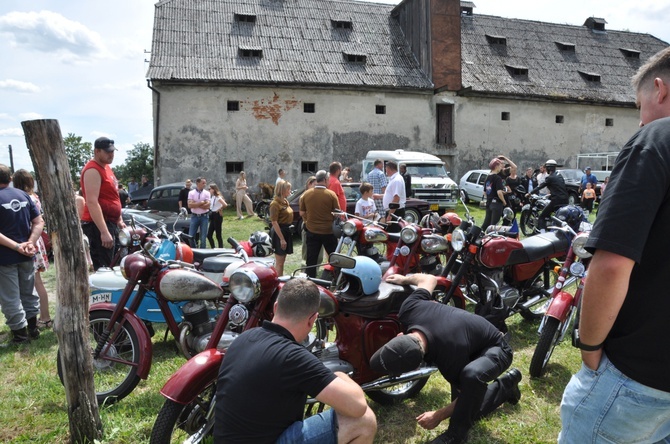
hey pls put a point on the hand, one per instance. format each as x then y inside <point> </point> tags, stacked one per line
<point>397,279</point>
<point>428,420</point>
<point>107,240</point>
<point>592,358</point>
<point>283,244</point>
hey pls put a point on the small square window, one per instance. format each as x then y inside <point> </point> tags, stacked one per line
<point>380,109</point>
<point>233,105</point>
<point>234,167</point>
<point>309,167</point>
<point>559,119</point>
<point>609,122</point>
<point>504,115</point>
<point>308,108</point>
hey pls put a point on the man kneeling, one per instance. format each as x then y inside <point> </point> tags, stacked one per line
<point>266,376</point>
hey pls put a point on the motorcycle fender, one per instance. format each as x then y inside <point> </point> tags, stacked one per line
<point>192,378</point>
<point>146,352</point>
<point>559,307</point>
<point>525,207</point>
<point>458,294</point>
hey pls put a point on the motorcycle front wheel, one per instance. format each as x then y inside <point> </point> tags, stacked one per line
<point>528,223</point>
<point>115,369</point>
<point>397,393</point>
<point>193,423</point>
<point>545,347</point>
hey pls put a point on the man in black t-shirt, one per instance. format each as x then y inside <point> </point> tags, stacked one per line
<point>466,348</point>
<point>558,192</point>
<point>266,376</point>
<point>183,195</point>
<point>622,391</point>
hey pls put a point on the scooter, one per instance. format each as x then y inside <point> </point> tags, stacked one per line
<point>563,307</point>
<point>364,314</point>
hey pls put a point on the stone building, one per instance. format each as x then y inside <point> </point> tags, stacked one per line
<point>258,85</point>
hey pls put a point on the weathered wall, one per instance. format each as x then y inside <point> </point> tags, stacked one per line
<point>197,134</point>
<point>531,135</point>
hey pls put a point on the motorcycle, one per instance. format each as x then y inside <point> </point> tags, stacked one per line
<point>501,274</point>
<point>363,312</point>
<point>563,307</point>
<point>530,214</point>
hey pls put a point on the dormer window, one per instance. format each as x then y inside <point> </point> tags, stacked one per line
<point>496,39</point>
<point>341,24</point>
<point>517,71</point>
<point>250,52</point>
<point>595,24</point>
<point>630,53</point>
<point>565,46</point>
<point>589,76</point>
<point>245,18</point>
<point>466,9</point>
<point>355,57</point>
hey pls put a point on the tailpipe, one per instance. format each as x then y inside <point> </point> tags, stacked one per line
<point>389,381</point>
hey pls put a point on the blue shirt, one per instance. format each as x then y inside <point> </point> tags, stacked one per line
<point>590,178</point>
<point>17,212</point>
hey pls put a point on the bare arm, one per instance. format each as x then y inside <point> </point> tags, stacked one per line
<point>344,396</point>
<point>604,293</point>
<point>425,281</point>
<point>92,183</point>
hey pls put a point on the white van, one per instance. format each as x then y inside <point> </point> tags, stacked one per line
<point>430,181</point>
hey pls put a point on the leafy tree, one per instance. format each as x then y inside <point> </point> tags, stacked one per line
<point>78,153</point>
<point>139,162</point>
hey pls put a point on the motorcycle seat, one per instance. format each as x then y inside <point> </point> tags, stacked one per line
<point>538,247</point>
<point>200,254</point>
<point>376,305</point>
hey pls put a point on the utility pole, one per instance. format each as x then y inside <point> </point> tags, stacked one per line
<point>11,160</point>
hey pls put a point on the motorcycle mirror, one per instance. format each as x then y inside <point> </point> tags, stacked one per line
<point>341,261</point>
<point>508,214</point>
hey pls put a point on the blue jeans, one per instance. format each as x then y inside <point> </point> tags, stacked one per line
<point>317,429</point>
<point>606,406</point>
<point>17,300</point>
<point>200,221</point>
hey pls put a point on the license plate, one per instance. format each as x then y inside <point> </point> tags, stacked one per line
<point>434,207</point>
<point>101,297</point>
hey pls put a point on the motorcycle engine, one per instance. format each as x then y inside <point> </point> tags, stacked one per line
<point>510,295</point>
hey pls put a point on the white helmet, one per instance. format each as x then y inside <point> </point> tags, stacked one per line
<point>261,244</point>
<point>550,162</point>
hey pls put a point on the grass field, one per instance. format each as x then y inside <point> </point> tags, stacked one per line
<point>33,407</point>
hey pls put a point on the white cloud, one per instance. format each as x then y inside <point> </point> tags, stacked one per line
<point>19,86</point>
<point>49,32</point>
<point>11,132</point>
<point>30,116</point>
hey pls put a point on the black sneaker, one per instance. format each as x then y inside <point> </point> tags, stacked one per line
<point>33,330</point>
<point>20,336</point>
<point>449,438</point>
<point>510,383</point>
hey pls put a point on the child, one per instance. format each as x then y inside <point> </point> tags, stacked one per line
<point>588,197</point>
<point>365,207</point>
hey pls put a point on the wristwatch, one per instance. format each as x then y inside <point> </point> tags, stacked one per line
<point>589,348</point>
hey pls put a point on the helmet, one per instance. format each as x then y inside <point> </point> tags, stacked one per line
<point>450,218</point>
<point>367,273</point>
<point>550,165</point>
<point>572,215</point>
<point>431,220</point>
<point>261,244</point>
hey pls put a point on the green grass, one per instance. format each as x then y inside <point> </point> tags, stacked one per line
<point>33,407</point>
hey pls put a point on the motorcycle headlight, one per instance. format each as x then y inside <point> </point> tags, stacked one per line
<point>409,234</point>
<point>125,237</point>
<point>578,246</point>
<point>458,239</point>
<point>349,228</point>
<point>244,285</point>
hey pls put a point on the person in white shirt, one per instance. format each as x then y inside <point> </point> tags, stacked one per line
<point>365,206</point>
<point>395,193</point>
<point>216,205</point>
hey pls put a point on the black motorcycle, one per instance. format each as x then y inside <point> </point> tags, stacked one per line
<point>530,214</point>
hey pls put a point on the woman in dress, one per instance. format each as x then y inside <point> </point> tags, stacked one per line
<point>216,207</point>
<point>281,216</point>
<point>241,196</point>
<point>23,180</point>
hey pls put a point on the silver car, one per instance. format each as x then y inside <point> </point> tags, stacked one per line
<point>472,185</point>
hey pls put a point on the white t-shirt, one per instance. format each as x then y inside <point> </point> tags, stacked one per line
<point>365,207</point>
<point>215,203</point>
<point>396,186</point>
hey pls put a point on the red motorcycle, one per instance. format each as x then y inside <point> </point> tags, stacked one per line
<point>363,313</point>
<point>563,307</point>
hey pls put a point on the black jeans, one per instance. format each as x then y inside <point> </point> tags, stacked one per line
<point>314,243</point>
<point>101,256</point>
<point>215,223</point>
<point>493,214</point>
<point>546,212</point>
<point>476,397</point>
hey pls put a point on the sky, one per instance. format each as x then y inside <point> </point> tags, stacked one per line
<point>84,63</point>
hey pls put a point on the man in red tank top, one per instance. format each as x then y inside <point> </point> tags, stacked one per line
<point>102,213</point>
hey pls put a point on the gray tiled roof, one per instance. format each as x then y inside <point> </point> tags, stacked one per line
<point>551,72</point>
<point>200,40</point>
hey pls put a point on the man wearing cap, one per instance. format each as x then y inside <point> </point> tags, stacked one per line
<point>101,218</point>
<point>558,193</point>
<point>467,349</point>
<point>587,178</point>
<point>316,209</point>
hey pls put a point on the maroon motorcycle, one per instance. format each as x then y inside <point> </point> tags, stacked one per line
<point>363,312</point>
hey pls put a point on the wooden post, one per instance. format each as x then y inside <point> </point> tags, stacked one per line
<point>45,144</point>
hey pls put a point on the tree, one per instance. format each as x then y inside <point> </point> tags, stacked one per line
<point>139,162</point>
<point>78,153</point>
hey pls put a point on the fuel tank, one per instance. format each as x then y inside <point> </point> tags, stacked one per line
<point>496,250</point>
<point>186,285</point>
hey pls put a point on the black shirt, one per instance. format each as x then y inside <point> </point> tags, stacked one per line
<point>263,385</point>
<point>558,192</point>
<point>455,336</point>
<point>183,198</point>
<point>493,183</point>
<point>633,220</point>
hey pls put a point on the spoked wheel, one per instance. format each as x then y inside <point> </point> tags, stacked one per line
<point>115,369</point>
<point>262,209</point>
<point>528,222</point>
<point>440,292</point>
<point>191,423</point>
<point>545,347</point>
<point>539,308</point>
<point>397,393</point>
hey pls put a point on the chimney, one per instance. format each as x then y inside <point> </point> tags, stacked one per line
<point>445,43</point>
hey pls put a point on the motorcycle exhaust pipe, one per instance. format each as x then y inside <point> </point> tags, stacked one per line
<point>388,381</point>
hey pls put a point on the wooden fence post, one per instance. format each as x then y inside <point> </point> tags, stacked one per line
<point>45,144</point>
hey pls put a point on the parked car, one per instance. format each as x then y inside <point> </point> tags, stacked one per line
<point>140,196</point>
<point>165,197</point>
<point>150,218</point>
<point>472,185</point>
<point>415,209</point>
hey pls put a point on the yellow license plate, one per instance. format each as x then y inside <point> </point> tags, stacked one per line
<point>434,207</point>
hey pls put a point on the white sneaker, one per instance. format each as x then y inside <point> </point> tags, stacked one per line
<point>240,218</point>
